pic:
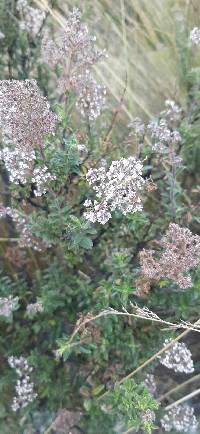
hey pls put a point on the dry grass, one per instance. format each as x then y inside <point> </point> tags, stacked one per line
<point>140,37</point>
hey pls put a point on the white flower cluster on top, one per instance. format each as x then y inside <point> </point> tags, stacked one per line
<point>7,305</point>
<point>178,358</point>
<point>34,308</point>
<point>180,418</point>
<point>117,188</point>
<point>172,111</point>
<point>195,36</point>
<point>24,388</point>
<point>31,18</point>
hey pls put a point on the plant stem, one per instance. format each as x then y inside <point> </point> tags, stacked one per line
<point>183,399</point>
<point>173,184</point>
<point>151,359</point>
<point>179,387</point>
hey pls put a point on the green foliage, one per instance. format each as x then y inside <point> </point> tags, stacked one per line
<point>130,401</point>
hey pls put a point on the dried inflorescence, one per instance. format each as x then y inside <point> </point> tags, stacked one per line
<point>66,421</point>
<point>26,238</point>
<point>17,257</point>
<point>180,418</point>
<point>180,252</point>
<point>118,188</point>
<point>24,388</point>
<point>75,52</point>
<point>34,308</point>
<point>178,357</point>
<point>25,121</point>
<point>143,286</point>
<point>74,48</point>
<point>25,115</point>
<point>31,19</point>
<point>8,305</point>
<point>195,36</point>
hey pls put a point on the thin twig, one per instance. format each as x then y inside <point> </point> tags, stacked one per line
<point>179,387</point>
<point>151,359</point>
<point>8,239</point>
<point>183,399</point>
<point>111,311</point>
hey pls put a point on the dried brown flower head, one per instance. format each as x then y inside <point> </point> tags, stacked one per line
<point>143,285</point>
<point>17,256</point>
<point>180,252</point>
<point>65,422</point>
<point>25,115</point>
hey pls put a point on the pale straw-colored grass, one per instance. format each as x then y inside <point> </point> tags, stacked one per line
<point>141,40</point>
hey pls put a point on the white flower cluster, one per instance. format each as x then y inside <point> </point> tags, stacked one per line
<point>18,163</point>
<point>83,152</point>
<point>195,36</point>
<point>2,36</point>
<point>117,188</point>
<point>91,96</point>
<point>150,383</point>
<point>148,416</point>
<point>41,177</point>
<point>24,388</point>
<point>180,418</point>
<point>34,308</point>
<point>173,111</point>
<point>31,18</point>
<point>26,238</point>
<point>8,305</point>
<point>137,127</point>
<point>178,358</point>
<point>162,135</point>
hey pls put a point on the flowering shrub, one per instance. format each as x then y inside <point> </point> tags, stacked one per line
<point>100,242</point>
